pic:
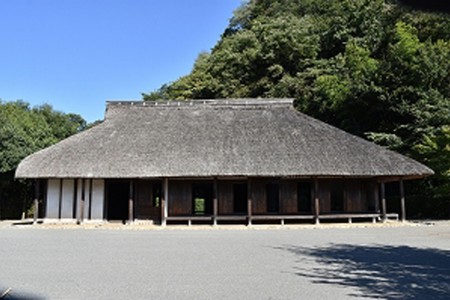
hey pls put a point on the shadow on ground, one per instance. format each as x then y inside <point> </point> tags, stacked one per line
<point>9,294</point>
<point>379,271</point>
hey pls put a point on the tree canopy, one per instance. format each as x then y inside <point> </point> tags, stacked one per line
<point>25,130</point>
<point>371,67</point>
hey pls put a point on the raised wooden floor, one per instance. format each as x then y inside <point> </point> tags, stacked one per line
<point>282,218</point>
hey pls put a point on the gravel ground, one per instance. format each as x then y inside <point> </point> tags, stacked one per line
<point>306,262</point>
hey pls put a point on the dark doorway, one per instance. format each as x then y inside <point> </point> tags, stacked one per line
<point>156,195</point>
<point>273,197</point>
<point>117,193</point>
<point>304,197</point>
<point>202,194</point>
<point>337,196</point>
<point>240,198</point>
<point>392,194</point>
<point>147,195</point>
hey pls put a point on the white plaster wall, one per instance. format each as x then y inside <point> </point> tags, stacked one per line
<point>97,201</point>
<point>86,199</point>
<point>52,205</point>
<point>67,199</point>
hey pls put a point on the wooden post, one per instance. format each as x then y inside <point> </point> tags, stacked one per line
<point>215,202</point>
<point>131,203</point>
<point>36,201</point>
<point>60,198</point>
<point>316,201</point>
<point>81,204</point>
<point>78,208</point>
<point>90,200</point>
<point>383,202</point>
<point>164,202</point>
<point>402,201</point>
<point>249,203</point>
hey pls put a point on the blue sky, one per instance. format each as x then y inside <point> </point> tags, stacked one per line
<point>76,54</point>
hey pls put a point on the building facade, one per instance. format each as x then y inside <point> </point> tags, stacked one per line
<point>215,161</point>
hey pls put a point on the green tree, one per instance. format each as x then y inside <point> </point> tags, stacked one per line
<point>26,130</point>
<point>371,67</point>
<point>435,151</point>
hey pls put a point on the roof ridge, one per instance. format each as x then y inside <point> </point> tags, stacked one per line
<point>204,102</point>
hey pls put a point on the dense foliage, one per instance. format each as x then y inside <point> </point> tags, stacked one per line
<point>25,130</point>
<point>370,67</point>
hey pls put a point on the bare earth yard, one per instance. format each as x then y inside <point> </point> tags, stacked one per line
<point>325,262</point>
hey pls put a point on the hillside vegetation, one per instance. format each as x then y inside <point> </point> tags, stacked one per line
<point>370,67</point>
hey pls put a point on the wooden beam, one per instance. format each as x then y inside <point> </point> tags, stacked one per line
<point>164,202</point>
<point>36,201</point>
<point>215,201</point>
<point>131,203</point>
<point>75,201</point>
<point>383,202</point>
<point>316,201</point>
<point>83,198</point>
<point>80,215</point>
<point>249,202</point>
<point>402,201</point>
<point>90,200</point>
<point>78,204</point>
<point>60,198</point>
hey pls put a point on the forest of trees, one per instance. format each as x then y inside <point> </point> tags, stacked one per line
<point>25,130</point>
<point>371,67</point>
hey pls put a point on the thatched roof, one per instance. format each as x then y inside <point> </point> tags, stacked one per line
<point>241,137</point>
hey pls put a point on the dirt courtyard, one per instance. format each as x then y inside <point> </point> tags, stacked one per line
<point>304,262</point>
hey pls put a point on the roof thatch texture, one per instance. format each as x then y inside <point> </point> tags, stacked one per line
<point>240,137</point>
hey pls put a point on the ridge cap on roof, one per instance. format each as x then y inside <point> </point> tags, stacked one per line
<point>116,106</point>
<point>204,102</point>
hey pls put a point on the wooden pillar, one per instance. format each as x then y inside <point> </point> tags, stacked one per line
<point>60,198</point>
<point>316,201</point>
<point>165,202</point>
<point>249,202</point>
<point>36,201</point>
<point>131,203</point>
<point>80,215</point>
<point>90,200</point>
<point>383,202</point>
<point>402,201</point>
<point>215,202</point>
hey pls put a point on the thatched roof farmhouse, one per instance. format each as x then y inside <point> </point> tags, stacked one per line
<point>213,160</point>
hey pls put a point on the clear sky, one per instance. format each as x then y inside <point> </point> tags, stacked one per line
<point>76,54</point>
